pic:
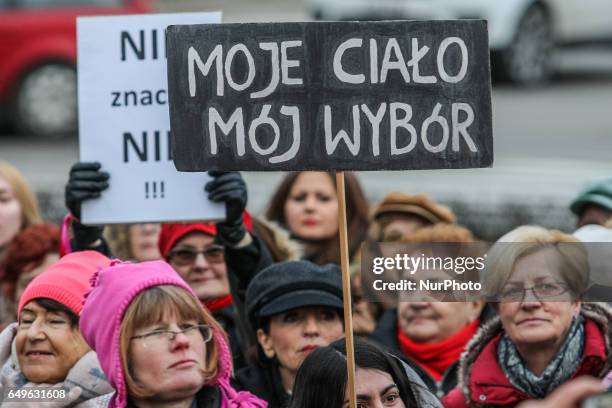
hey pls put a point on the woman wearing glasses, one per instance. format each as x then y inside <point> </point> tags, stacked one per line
<point>194,252</point>
<point>156,343</point>
<point>44,359</point>
<point>544,335</point>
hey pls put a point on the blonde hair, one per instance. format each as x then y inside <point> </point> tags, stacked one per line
<point>526,240</point>
<point>159,304</point>
<point>29,205</point>
<point>118,237</point>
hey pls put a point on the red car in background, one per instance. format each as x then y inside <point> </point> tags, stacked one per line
<point>38,60</point>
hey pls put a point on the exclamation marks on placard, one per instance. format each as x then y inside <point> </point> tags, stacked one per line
<point>155,189</point>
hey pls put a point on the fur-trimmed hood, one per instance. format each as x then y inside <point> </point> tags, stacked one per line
<point>273,234</point>
<point>598,313</point>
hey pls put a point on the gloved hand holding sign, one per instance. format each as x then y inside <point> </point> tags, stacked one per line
<point>229,188</point>
<point>86,182</point>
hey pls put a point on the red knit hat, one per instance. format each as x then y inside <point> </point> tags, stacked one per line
<point>170,233</point>
<point>66,281</point>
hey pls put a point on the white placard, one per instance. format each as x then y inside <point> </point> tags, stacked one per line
<point>124,122</point>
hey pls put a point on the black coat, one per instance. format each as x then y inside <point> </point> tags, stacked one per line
<point>242,266</point>
<point>385,335</point>
<point>207,397</point>
<point>264,381</point>
<point>227,318</point>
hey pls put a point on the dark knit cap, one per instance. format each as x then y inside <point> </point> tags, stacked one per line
<point>289,285</point>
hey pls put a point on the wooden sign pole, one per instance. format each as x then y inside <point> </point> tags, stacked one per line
<point>346,289</point>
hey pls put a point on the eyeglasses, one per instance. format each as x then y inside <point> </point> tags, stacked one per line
<point>542,291</point>
<point>195,332</point>
<point>187,256</point>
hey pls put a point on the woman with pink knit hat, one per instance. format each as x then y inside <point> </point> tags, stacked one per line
<point>45,351</point>
<point>156,343</point>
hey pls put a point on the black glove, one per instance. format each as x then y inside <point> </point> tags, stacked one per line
<point>86,182</point>
<point>229,188</point>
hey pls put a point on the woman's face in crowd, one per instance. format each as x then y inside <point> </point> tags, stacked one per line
<point>375,389</point>
<point>10,213</point>
<point>295,334</point>
<point>534,321</point>
<point>143,239</point>
<point>311,209</point>
<point>31,271</point>
<point>47,346</point>
<point>206,274</point>
<point>172,369</point>
<point>431,322</point>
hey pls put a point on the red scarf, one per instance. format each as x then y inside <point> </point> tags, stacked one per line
<point>219,303</point>
<point>435,358</point>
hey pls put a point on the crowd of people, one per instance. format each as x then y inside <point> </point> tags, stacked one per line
<point>248,311</point>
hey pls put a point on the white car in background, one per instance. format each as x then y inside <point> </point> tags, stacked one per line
<point>522,33</point>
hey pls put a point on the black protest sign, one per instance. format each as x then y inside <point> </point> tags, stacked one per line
<point>391,95</point>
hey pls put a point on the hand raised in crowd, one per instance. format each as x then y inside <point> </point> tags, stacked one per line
<point>568,395</point>
<point>229,188</point>
<point>86,182</point>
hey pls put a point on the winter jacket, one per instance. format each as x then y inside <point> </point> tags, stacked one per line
<point>385,334</point>
<point>85,381</point>
<point>207,397</point>
<point>482,381</point>
<point>227,318</point>
<point>264,381</point>
<point>278,240</point>
<point>242,266</point>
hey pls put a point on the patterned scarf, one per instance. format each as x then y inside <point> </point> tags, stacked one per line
<point>560,369</point>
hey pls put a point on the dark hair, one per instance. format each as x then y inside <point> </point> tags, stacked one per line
<point>54,306</point>
<point>326,251</point>
<point>321,379</point>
